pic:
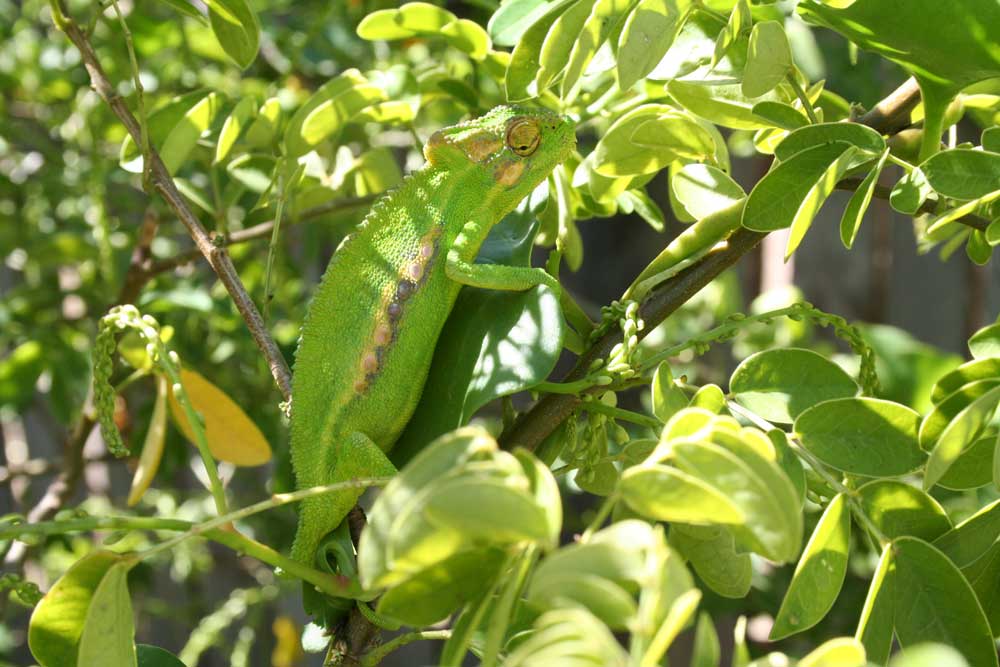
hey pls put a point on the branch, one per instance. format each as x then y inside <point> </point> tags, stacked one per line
<point>891,114</point>
<point>162,182</point>
<point>551,410</point>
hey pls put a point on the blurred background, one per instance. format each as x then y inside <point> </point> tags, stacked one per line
<point>70,216</point>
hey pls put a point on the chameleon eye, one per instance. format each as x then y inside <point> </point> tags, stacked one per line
<point>523,136</point>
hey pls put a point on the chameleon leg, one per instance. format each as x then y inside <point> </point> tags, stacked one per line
<point>459,267</point>
<point>349,458</point>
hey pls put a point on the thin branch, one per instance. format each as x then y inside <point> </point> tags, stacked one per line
<point>552,409</point>
<point>163,183</point>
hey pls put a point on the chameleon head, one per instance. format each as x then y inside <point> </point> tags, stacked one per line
<point>514,147</point>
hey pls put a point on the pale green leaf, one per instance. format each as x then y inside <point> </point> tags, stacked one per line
<point>819,575</point>
<point>779,384</point>
<point>649,31</point>
<point>854,214</point>
<point>703,189</point>
<point>810,136</point>
<point>769,59</point>
<point>235,25</point>
<point>898,509</point>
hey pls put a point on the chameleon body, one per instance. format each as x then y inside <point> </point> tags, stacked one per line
<point>370,332</point>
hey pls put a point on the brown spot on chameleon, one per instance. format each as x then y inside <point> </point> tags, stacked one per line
<point>394,296</point>
<point>508,172</point>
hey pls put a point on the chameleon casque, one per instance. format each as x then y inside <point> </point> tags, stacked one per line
<point>371,329</point>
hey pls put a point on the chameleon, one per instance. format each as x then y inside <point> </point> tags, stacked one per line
<point>373,323</point>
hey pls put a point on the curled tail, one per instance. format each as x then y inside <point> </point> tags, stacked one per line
<point>354,457</point>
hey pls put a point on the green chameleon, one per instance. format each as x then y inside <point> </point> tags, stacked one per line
<point>371,329</point>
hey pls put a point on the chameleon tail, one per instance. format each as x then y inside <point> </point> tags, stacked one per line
<point>354,457</point>
<point>317,517</point>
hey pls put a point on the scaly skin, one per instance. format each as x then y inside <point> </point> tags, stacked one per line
<point>370,333</point>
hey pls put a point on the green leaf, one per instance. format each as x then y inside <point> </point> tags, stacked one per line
<point>928,655</point>
<point>978,250</point>
<point>789,462</point>
<point>840,652</point>
<point>484,509</point>
<point>509,23</point>
<point>854,214</point>
<point>910,192</point>
<point>991,139</point>
<point>963,429</point>
<point>455,580</point>
<point>970,540</point>
<point>440,457</point>
<point>329,117</point>
<point>861,136</point>
<point>154,656</point>
<point>934,602</point>
<point>780,115</point>
<point>971,371</point>
<point>295,144</point>
<point>423,19</point>
<point>649,31</point>
<point>494,343</point>
<point>779,384</point>
<point>640,203</point>
<point>605,599</point>
<point>667,494</point>
<point>757,485</point>
<point>945,411</point>
<point>19,371</point>
<point>973,468</point>
<point>235,25</point>
<point>792,193</point>
<point>186,8</point>
<point>173,130</point>
<point>985,343</point>
<point>899,509</point>
<point>709,397</point>
<point>608,568</point>
<point>233,126</point>
<point>649,138</point>
<point>561,635</point>
<point>739,21</point>
<point>606,17</point>
<point>875,624</point>
<point>946,46</point>
<point>89,600</point>
<point>706,651</point>
<point>524,61</point>
<point>721,103</point>
<point>668,398</point>
<point>108,636</point>
<point>703,189</point>
<point>963,173</point>
<point>819,575</point>
<point>769,59</point>
<point>711,550</point>
<point>862,436</point>
<point>559,42</point>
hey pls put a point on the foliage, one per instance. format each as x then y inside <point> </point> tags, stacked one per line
<point>853,500</point>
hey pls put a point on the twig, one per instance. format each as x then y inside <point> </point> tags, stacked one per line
<point>552,409</point>
<point>890,115</point>
<point>163,183</point>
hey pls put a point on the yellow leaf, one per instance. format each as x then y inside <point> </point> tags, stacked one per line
<point>231,435</point>
<point>287,649</point>
<point>152,448</point>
